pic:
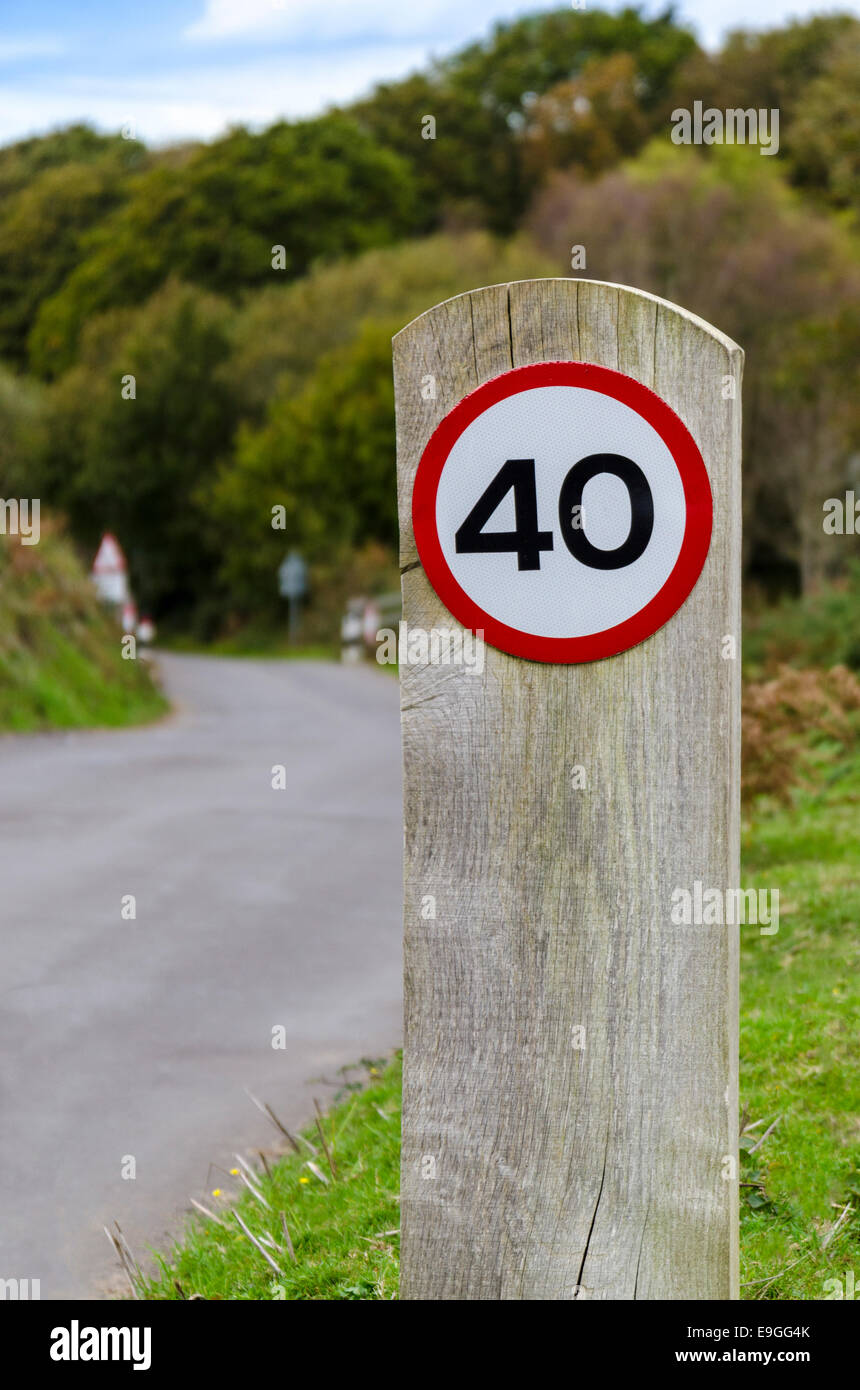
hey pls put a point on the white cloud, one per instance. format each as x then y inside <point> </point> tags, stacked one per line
<point>451,22</point>
<point>344,20</point>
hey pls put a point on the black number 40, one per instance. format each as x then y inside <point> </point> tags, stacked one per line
<point>527,542</point>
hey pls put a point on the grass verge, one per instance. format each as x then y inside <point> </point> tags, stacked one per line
<point>253,644</point>
<point>338,1197</point>
<point>800,996</point>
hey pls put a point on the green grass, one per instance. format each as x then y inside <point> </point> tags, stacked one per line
<point>800,992</point>
<point>253,643</point>
<point>343,1231</point>
<point>61,665</point>
<point>800,996</point>
<point>819,629</point>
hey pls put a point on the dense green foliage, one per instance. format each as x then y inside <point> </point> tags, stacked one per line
<point>250,286</point>
<point>816,629</point>
<point>483,99</point>
<point>317,188</point>
<point>324,455</point>
<point>133,466</point>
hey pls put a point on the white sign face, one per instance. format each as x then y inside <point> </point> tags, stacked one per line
<point>112,586</point>
<point>563,509</point>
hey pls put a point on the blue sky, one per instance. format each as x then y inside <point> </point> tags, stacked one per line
<point>180,68</point>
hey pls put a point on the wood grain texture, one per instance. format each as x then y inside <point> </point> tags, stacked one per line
<point>565,1173</point>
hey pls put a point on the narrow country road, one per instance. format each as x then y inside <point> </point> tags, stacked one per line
<point>254,908</point>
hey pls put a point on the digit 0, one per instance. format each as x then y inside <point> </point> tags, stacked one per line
<point>641,511</point>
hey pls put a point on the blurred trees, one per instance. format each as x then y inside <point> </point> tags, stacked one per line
<point>766,68</point>
<point>482,97</point>
<point>727,239</point>
<point>22,433</point>
<point>825,131</point>
<point>280,333</point>
<point>261,385</point>
<point>45,219</point>
<point>318,188</point>
<point>326,456</point>
<point>134,465</point>
<point>591,121</point>
<point>23,162</point>
<point>809,70</point>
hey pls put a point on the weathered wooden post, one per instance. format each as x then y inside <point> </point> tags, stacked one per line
<point>570,1087</point>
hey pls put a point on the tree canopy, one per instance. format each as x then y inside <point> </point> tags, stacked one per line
<point>250,287</point>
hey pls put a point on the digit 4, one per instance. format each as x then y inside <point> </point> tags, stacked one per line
<point>526,541</point>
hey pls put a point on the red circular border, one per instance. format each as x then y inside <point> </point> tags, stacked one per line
<point>697,493</point>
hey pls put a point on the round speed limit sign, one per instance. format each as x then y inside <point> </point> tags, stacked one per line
<point>563,509</point>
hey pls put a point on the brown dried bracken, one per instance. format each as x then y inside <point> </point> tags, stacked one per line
<point>777,717</point>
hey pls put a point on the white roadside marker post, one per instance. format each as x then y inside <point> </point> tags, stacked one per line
<point>570,1058</point>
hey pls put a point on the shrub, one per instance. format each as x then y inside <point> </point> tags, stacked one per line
<point>782,720</point>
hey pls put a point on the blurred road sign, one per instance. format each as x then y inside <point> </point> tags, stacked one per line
<point>110,571</point>
<point>293,585</point>
<point>293,576</point>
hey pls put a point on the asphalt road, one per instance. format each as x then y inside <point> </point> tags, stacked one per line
<point>255,908</point>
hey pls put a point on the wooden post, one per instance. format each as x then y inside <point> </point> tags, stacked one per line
<point>570,1117</point>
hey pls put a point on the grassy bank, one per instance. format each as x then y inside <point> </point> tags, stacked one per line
<point>60,660</point>
<point>800,1078</point>
<point>253,643</point>
<point>800,1002</point>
